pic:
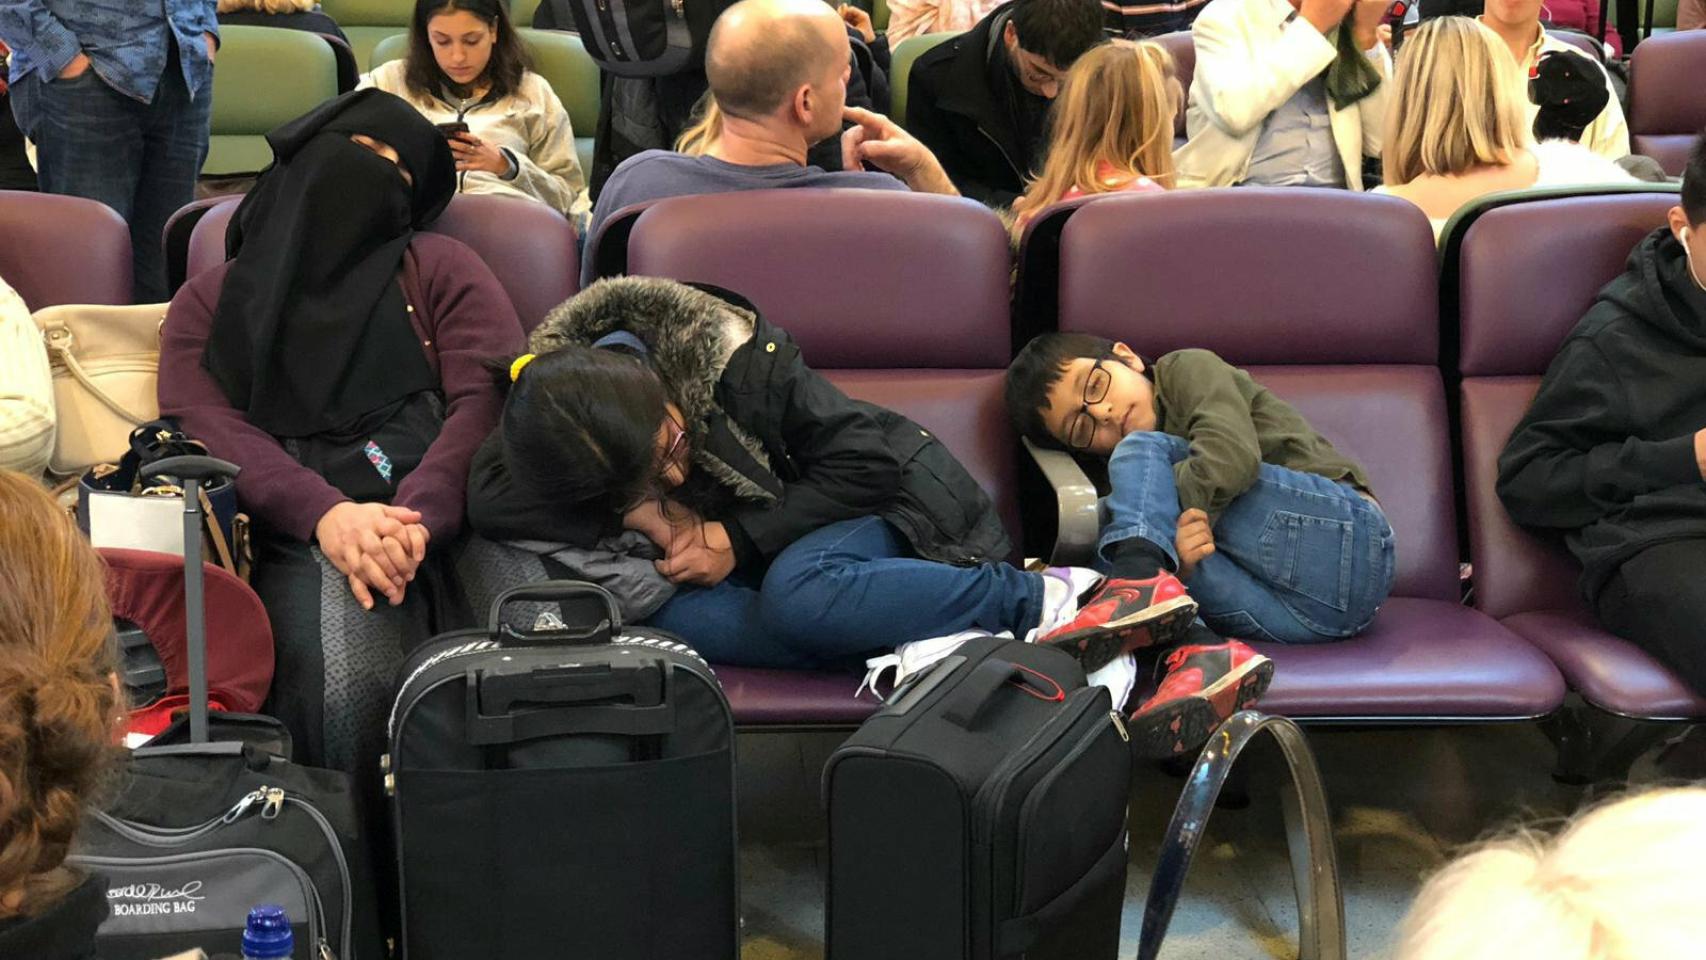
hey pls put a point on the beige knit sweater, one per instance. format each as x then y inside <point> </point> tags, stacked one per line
<point>26,389</point>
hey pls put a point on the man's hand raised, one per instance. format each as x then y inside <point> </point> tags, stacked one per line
<point>880,142</point>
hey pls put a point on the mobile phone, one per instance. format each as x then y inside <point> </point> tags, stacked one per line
<point>451,129</point>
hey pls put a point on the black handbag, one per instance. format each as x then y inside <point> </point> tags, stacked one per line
<point>225,527</point>
<point>563,792</point>
<point>212,818</point>
<point>981,814</point>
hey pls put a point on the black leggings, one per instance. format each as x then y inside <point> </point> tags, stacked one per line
<point>1655,601</point>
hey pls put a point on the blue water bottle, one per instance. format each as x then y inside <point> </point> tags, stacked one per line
<point>267,935</point>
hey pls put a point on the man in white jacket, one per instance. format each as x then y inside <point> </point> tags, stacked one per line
<point>1266,106</point>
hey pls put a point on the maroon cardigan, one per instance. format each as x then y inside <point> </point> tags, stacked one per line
<point>463,318</point>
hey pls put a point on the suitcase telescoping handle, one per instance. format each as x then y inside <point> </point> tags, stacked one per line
<point>192,473</point>
<point>965,705</point>
<point>563,592</point>
<point>508,704</point>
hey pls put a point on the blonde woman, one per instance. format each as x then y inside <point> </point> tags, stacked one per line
<point>59,710</point>
<point>1457,127</point>
<point>1622,882</point>
<point>1113,128</point>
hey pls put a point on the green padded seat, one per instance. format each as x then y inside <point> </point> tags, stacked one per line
<point>560,58</point>
<point>521,11</point>
<point>901,59</point>
<point>367,22</point>
<point>1664,15</point>
<point>265,77</point>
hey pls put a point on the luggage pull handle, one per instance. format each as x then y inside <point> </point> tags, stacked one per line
<point>193,472</point>
<point>967,704</point>
<point>599,631</point>
<point>508,704</point>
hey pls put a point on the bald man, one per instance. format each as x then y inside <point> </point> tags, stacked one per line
<point>778,74</point>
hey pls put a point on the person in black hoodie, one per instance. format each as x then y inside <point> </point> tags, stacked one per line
<point>60,710</point>
<point>980,101</point>
<point>797,527</point>
<point>1613,451</point>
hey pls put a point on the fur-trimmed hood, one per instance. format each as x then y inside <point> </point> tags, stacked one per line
<point>690,333</point>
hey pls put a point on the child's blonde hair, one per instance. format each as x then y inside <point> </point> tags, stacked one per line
<point>1456,105</point>
<point>1116,107</point>
<point>1623,882</point>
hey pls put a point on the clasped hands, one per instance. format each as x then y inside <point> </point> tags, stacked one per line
<point>377,547</point>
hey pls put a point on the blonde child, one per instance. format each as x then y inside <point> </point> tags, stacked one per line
<point>1113,128</point>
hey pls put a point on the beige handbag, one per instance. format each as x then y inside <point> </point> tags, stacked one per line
<point>106,365</point>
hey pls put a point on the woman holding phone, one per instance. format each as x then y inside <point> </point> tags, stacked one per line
<point>466,72</point>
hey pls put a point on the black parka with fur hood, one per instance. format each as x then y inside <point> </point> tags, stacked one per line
<point>794,451</point>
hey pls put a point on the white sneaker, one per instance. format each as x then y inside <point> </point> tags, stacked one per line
<point>1064,589</point>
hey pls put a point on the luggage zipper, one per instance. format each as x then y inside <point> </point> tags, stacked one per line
<point>276,798</point>
<point>272,800</point>
<point>482,646</point>
<point>984,829</point>
<point>1028,810</point>
<point>317,927</point>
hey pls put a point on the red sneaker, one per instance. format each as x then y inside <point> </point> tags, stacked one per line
<point>1204,685</point>
<point>1123,615</point>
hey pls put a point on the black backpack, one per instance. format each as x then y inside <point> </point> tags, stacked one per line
<point>640,38</point>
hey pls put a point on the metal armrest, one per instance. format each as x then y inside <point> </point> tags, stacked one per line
<point>1308,828</point>
<point>1075,498</point>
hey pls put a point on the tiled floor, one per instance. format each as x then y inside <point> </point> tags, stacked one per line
<point>1402,800</point>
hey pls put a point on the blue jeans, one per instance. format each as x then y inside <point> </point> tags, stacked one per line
<point>141,159</point>
<point>843,592</point>
<point>1297,558</point>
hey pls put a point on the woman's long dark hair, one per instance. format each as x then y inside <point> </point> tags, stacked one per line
<point>509,57</point>
<point>581,424</point>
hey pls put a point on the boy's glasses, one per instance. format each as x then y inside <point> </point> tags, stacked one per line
<point>1081,429</point>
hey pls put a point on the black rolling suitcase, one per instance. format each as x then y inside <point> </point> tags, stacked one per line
<point>981,814</point>
<point>565,792</point>
<point>212,819</point>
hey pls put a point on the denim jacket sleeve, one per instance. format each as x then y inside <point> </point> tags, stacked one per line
<point>37,36</point>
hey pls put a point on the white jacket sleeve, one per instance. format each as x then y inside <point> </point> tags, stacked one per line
<point>551,170</point>
<point>1608,135</point>
<point>1243,78</point>
<point>26,389</point>
<point>1373,107</point>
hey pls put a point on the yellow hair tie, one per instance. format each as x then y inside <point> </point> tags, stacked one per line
<point>515,368</point>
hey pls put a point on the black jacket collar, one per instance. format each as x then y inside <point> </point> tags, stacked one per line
<point>968,92</point>
<point>65,932</point>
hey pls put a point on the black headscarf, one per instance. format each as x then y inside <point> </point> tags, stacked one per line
<point>312,331</point>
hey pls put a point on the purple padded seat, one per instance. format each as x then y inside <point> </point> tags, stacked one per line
<point>56,250</point>
<point>899,299</point>
<point>914,278</point>
<point>529,247</point>
<point>175,238</point>
<point>606,252</point>
<point>1184,50</point>
<point>1036,291</point>
<point>1517,307</point>
<point>1329,298</point>
<point>1667,97</point>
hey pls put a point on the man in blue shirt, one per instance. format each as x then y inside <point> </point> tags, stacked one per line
<point>116,97</point>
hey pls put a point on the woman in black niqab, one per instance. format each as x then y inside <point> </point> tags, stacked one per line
<point>312,332</point>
